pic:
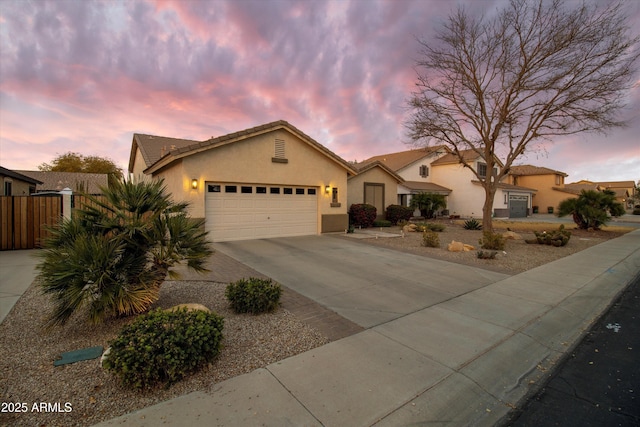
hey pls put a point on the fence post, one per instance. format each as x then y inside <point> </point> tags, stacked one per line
<point>66,203</point>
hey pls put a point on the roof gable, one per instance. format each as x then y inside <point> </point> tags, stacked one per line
<point>524,170</point>
<point>19,176</point>
<point>402,159</point>
<point>377,164</point>
<point>153,147</point>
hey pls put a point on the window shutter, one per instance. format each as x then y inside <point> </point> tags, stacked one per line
<point>279,149</point>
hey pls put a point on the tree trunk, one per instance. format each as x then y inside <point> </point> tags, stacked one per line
<point>487,208</point>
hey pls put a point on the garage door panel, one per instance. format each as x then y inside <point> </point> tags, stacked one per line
<point>241,216</point>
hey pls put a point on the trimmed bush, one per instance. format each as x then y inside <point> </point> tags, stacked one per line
<point>381,223</point>
<point>557,238</point>
<point>397,213</point>
<point>472,224</point>
<point>162,347</point>
<point>487,254</point>
<point>362,215</point>
<point>492,241</point>
<point>253,295</point>
<point>430,239</point>
<point>430,226</point>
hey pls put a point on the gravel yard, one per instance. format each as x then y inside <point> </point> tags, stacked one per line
<point>27,352</point>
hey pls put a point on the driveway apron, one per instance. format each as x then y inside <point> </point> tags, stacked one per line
<point>366,284</point>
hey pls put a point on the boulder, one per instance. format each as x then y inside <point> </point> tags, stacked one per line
<point>511,235</point>
<point>189,307</point>
<point>459,247</point>
<point>409,228</point>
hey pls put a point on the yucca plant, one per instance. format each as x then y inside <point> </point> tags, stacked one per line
<point>114,254</point>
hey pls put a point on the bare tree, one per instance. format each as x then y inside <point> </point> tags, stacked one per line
<point>534,71</point>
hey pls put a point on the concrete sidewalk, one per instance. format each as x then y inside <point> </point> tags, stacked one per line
<point>464,361</point>
<point>17,273</point>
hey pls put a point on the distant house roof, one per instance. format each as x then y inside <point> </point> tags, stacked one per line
<point>399,160</point>
<point>363,167</point>
<point>426,187</point>
<point>76,181</point>
<point>16,175</point>
<point>616,184</point>
<point>511,187</point>
<point>524,170</point>
<point>152,147</point>
<point>469,156</point>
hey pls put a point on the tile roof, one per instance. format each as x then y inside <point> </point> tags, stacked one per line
<point>56,181</point>
<point>523,170</point>
<point>399,160</point>
<point>452,158</point>
<point>428,187</point>
<point>154,147</point>
<point>363,167</point>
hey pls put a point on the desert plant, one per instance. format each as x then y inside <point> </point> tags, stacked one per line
<point>557,238</point>
<point>381,223</point>
<point>362,215</point>
<point>113,254</point>
<point>161,347</point>
<point>487,254</point>
<point>431,226</point>
<point>428,203</point>
<point>398,213</point>
<point>430,239</point>
<point>493,241</point>
<point>253,295</point>
<point>591,209</point>
<point>472,224</point>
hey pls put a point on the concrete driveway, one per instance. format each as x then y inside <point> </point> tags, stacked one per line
<point>366,284</point>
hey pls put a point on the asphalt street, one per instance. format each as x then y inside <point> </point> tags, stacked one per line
<point>598,384</point>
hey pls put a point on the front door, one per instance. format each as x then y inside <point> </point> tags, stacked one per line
<point>374,195</point>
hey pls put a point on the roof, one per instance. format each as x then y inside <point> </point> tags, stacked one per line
<point>368,166</point>
<point>426,187</point>
<point>452,158</point>
<point>180,148</point>
<point>616,184</point>
<point>17,175</point>
<point>505,186</point>
<point>523,170</point>
<point>397,161</point>
<point>76,181</point>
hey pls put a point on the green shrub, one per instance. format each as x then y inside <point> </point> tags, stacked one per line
<point>430,239</point>
<point>253,295</point>
<point>397,213</point>
<point>487,254</point>
<point>492,241</point>
<point>472,224</point>
<point>557,238</point>
<point>362,215</point>
<point>161,347</point>
<point>381,223</point>
<point>431,226</point>
<point>591,209</point>
<point>636,211</point>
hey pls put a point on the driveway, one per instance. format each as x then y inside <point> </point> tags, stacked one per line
<point>366,284</point>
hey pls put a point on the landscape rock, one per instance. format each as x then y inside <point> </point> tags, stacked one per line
<point>459,247</point>
<point>511,235</point>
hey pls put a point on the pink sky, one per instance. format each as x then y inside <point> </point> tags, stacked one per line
<point>84,76</point>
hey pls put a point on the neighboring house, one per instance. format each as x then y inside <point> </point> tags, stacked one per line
<point>267,181</point>
<point>17,184</point>
<point>549,184</point>
<point>89,183</point>
<point>375,184</point>
<point>437,170</point>
<point>625,190</point>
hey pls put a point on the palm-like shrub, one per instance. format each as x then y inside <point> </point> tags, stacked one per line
<point>592,208</point>
<point>114,254</point>
<point>428,203</point>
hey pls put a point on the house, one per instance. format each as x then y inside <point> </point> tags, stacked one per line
<point>549,184</point>
<point>625,190</point>
<point>267,181</point>
<point>50,181</point>
<point>438,170</point>
<point>17,184</point>
<point>375,184</point>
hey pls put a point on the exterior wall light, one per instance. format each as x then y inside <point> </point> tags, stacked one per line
<point>194,184</point>
<point>327,189</point>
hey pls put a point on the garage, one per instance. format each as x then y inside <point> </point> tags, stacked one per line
<point>241,211</point>
<point>518,206</point>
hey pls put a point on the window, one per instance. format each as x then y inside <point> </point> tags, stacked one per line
<point>482,170</point>
<point>287,190</point>
<point>311,191</point>
<point>558,180</point>
<point>230,189</point>
<point>334,195</point>
<point>279,155</point>
<point>299,190</point>
<point>213,188</point>
<point>8,188</point>
<point>424,171</point>
<point>261,190</point>
<point>274,190</point>
<point>246,189</point>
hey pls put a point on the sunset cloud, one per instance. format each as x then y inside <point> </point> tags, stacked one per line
<point>85,75</point>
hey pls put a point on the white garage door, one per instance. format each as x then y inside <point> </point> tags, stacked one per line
<point>253,211</point>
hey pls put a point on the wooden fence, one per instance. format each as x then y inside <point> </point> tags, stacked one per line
<point>24,220</point>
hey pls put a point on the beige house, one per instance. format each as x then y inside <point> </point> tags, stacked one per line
<point>625,190</point>
<point>375,184</point>
<point>549,184</point>
<point>267,181</point>
<point>17,184</point>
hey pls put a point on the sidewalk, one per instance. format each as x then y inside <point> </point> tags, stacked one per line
<point>466,361</point>
<point>17,272</point>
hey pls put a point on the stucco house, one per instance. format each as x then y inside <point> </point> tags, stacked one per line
<point>549,184</point>
<point>267,181</point>
<point>375,184</point>
<point>17,184</point>
<point>437,170</point>
<point>625,190</point>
